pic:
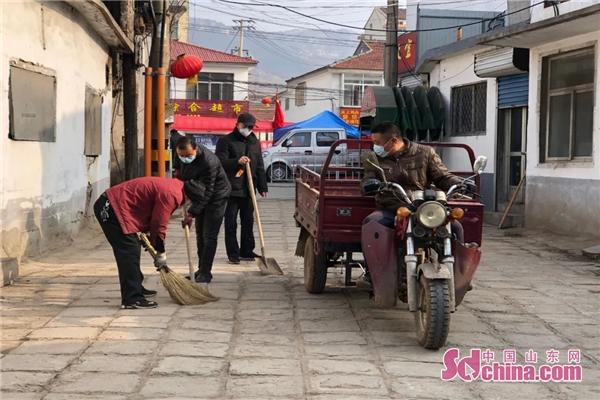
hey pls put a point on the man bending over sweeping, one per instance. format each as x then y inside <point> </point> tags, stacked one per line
<point>138,205</point>
<point>208,188</point>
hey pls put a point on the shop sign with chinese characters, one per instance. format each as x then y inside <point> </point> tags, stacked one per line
<point>209,108</point>
<point>350,115</point>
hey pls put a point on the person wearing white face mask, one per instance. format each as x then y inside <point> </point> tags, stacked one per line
<point>207,187</point>
<point>236,150</point>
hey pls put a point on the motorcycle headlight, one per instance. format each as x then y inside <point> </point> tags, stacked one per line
<point>431,214</point>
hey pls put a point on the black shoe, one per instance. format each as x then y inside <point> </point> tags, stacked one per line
<point>234,261</point>
<point>148,292</point>
<point>203,278</point>
<point>250,257</point>
<point>140,304</point>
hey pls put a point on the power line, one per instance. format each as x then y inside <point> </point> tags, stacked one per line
<point>373,29</point>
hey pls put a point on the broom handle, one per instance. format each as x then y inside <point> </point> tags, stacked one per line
<point>189,248</point>
<point>256,212</point>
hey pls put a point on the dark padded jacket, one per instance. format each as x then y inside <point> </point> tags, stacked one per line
<point>230,149</point>
<point>205,180</point>
<point>415,167</point>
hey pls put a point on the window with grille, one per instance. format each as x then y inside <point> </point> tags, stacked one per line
<point>468,109</point>
<point>354,87</point>
<point>301,94</point>
<point>214,86</point>
<point>567,105</point>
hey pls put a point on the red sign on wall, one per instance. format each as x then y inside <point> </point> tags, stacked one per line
<point>209,108</point>
<point>350,115</point>
<point>407,52</point>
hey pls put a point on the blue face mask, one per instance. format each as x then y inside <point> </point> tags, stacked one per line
<point>188,159</point>
<point>380,151</point>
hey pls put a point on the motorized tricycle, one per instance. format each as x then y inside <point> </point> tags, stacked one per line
<point>426,255</point>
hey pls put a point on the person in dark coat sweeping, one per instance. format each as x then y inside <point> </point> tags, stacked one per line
<point>208,188</point>
<point>235,150</point>
<point>138,205</point>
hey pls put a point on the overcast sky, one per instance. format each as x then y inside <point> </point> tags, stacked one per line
<point>348,12</point>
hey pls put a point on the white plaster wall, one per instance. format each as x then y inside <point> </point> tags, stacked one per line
<point>458,71</point>
<point>316,101</point>
<point>539,12</point>
<point>240,76</point>
<point>36,176</point>
<point>574,170</point>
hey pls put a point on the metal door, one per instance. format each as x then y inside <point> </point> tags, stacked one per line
<point>511,157</point>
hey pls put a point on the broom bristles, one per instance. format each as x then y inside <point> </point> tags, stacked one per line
<point>183,291</point>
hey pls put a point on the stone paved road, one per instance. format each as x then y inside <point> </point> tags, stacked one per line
<point>63,336</point>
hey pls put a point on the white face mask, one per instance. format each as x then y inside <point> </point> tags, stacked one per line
<point>245,132</point>
<point>380,151</point>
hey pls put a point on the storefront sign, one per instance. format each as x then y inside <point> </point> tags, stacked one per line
<point>407,52</point>
<point>350,115</point>
<point>209,108</point>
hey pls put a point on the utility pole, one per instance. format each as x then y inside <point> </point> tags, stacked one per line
<point>130,94</point>
<point>390,63</point>
<point>241,28</point>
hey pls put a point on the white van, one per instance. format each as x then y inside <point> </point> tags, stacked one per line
<point>306,147</point>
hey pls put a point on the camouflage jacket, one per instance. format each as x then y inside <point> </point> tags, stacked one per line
<point>414,168</point>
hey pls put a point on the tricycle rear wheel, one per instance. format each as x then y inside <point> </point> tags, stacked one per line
<point>315,268</point>
<point>432,320</point>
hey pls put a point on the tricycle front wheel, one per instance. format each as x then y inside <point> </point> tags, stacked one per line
<point>433,316</point>
<point>315,268</point>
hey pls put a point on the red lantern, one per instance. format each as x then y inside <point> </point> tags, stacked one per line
<point>186,66</point>
<point>266,101</point>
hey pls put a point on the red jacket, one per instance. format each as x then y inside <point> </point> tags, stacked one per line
<point>146,204</point>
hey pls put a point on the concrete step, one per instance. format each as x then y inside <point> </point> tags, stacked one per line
<point>512,219</point>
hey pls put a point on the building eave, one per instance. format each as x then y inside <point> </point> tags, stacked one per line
<point>100,19</point>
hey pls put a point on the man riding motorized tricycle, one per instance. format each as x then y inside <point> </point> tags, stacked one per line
<point>414,243</point>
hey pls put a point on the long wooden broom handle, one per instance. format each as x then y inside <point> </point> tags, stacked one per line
<point>255,204</point>
<point>188,246</point>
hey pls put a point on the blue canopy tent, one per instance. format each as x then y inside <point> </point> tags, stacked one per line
<point>324,120</point>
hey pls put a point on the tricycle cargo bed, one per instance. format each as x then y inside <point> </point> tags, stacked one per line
<point>331,208</point>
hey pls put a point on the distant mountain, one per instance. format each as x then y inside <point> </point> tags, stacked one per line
<point>284,54</point>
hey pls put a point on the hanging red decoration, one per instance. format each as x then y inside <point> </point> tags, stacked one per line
<point>186,66</point>
<point>266,101</point>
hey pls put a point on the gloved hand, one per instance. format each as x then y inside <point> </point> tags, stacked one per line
<point>160,261</point>
<point>187,221</point>
<point>470,186</point>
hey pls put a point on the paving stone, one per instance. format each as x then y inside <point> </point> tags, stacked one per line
<point>335,325</point>
<point>250,326</point>
<point>264,386</point>
<point>348,385</point>
<point>181,386</point>
<point>265,351</point>
<point>431,389</point>
<point>349,351</point>
<point>202,314</point>
<point>324,314</point>
<point>189,365</point>
<point>25,381</point>
<point>141,322</point>
<point>327,367</point>
<point>264,304</point>
<point>322,302</point>
<point>24,322</point>
<point>265,366</point>
<point>334,338</point>
<point>110,363</point>
<point>21,396</point>
<point>132,334</point>
<point>266,315</point>
<point>162,310</point>
<point>414,369</point>
<point>410,353</point>
<point>259,339</point>
<point>79,396</point>
<point>8,345</point>
<point>65,333</point>
<point>89,312</point>
<point>93,382</point>
<point>122,347</point>
<point>194,349</point>
<point>38,362</point>
<point>193,335</point>
<point>51,347</point>
<point>206,325</point>
<point>62,321</point>
<point>14,333</point>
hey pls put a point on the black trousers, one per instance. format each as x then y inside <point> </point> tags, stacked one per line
<point>208,224</point>
<point>127,250</point>
<point>243,206</point>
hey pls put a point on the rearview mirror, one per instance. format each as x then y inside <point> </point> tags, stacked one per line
<point>379,169</point>
<point>479,164</point>
<point>286,143</point>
